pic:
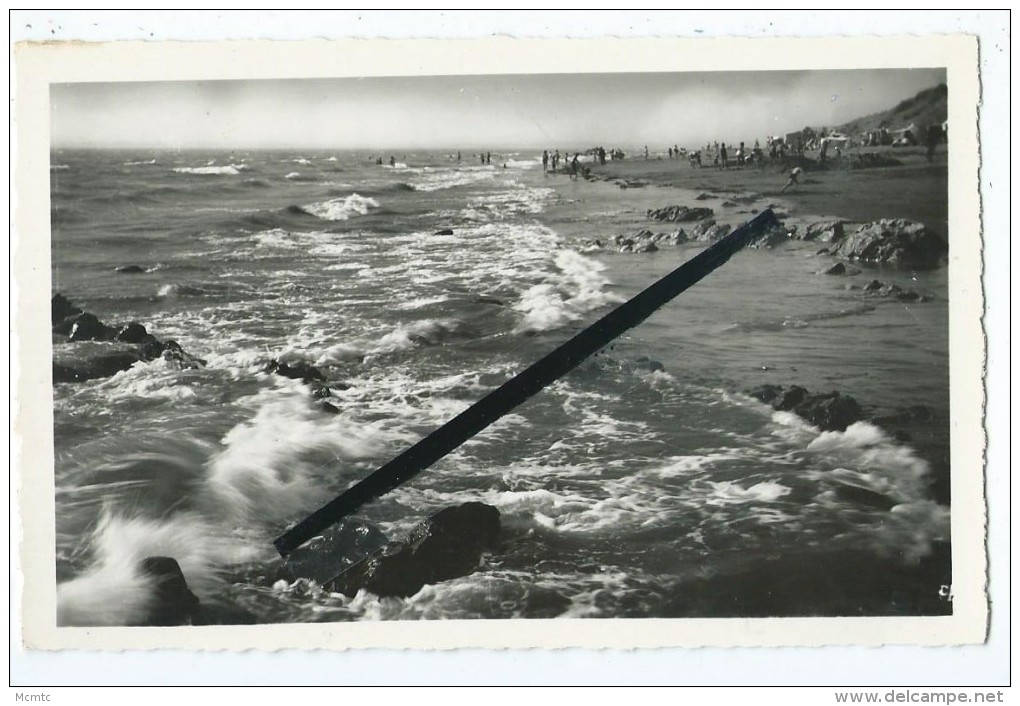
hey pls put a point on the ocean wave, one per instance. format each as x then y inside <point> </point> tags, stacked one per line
<point>428,332</point>
<point>229,170</point>
<point>135,164</point>
<point>448,179</point>
<point>578,287</point>
<point>341,209</point>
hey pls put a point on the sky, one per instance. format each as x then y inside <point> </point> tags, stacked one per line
<point>466,112</point>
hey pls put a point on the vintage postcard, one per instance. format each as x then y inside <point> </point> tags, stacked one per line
<point>500,343</point>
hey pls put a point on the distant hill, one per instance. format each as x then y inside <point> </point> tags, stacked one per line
<point>926,108</point>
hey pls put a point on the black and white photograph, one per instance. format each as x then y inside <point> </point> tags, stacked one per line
<point>514,346</point>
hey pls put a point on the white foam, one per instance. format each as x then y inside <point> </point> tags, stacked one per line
<point>765,492</point>
<point>230,169</point>
<point>578,288</point>
<point>341,209</point>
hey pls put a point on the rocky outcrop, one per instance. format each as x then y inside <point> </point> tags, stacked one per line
<point>680,213</point>
<point>877,288</point>
<point>899,242</point>
<point>822,231</point>
<point>100,350</point>
<point>709,231</point>
<point>828,412</point>
<point>840,269</point>
<point>447,545</point>
<point>131,270</point>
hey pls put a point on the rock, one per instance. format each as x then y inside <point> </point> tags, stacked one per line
<point>828,412</point>
<point>90,360</point>
<point>61,308</point>
<point>906,244</point>
<point>329,554</point>
<point>444,231</point>
<point>823,231</point>
<point>840,269</point>
<point>729,204</point>
<point>448,545</point>
<point>776,235</point>
<point>134,332</point>
<point>295,371</point>
<point>864,496</point>
<point>87,327</point>
<point>873,286</point>
<point>171,351</point>
<point>173,602</point>
<point>832,412</point>
<point>646,247</point>
<point>131,270</point>
<point>646,363</point>
<point>709,231</point>
<point>703,196</point>
<point>680,213</point>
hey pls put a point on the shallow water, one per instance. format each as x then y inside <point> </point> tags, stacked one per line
<point>625,490</point>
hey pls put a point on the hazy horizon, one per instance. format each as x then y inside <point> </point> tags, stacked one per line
<point>558,111</point>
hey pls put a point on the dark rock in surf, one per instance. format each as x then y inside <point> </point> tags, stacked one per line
<point>134,332</point>
<point>828,412</point>
<point>172,352</point>
<point>295,371</point>
<point>864,496</point>
<point>832,412</point>
<point>173,602</point>
<point>87,327</point>
<point>444,231</point>
<point>448,545</point>
<point>131,270</point>
<point>61,308</point>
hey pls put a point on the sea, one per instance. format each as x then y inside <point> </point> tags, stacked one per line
<point>646,483</point>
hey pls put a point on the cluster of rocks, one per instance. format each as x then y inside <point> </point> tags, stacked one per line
<point>311,376</point>
<point>829,412</point>
<point>878,288</point>
<point>102,350</point>
<point>893,241</point>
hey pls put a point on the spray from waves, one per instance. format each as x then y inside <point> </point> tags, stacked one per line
<point>212,170</point>
<point>578,288</point>
<point>282,462</point>
<point>428,332</point>
<point>395,165</point>
<point>341,209</point>
<point>274,467</point>
<point>135,164</point>
<point>175,290</point>
<point>115,591</point>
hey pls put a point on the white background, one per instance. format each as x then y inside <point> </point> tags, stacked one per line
<point>981,665</point>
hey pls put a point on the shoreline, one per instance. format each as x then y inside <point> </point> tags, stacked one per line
<point>913,190</point>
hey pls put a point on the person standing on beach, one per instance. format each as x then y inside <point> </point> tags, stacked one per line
<point>722,155</point>
<point>545,162</point>
<point>488,157</point>
<point>646,151</point>
<point>574,167</point>
<point>556,160</point>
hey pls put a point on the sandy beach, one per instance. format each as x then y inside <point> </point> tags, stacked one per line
<point>915,189</point>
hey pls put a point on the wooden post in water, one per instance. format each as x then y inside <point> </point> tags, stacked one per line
<point>524,385</point>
